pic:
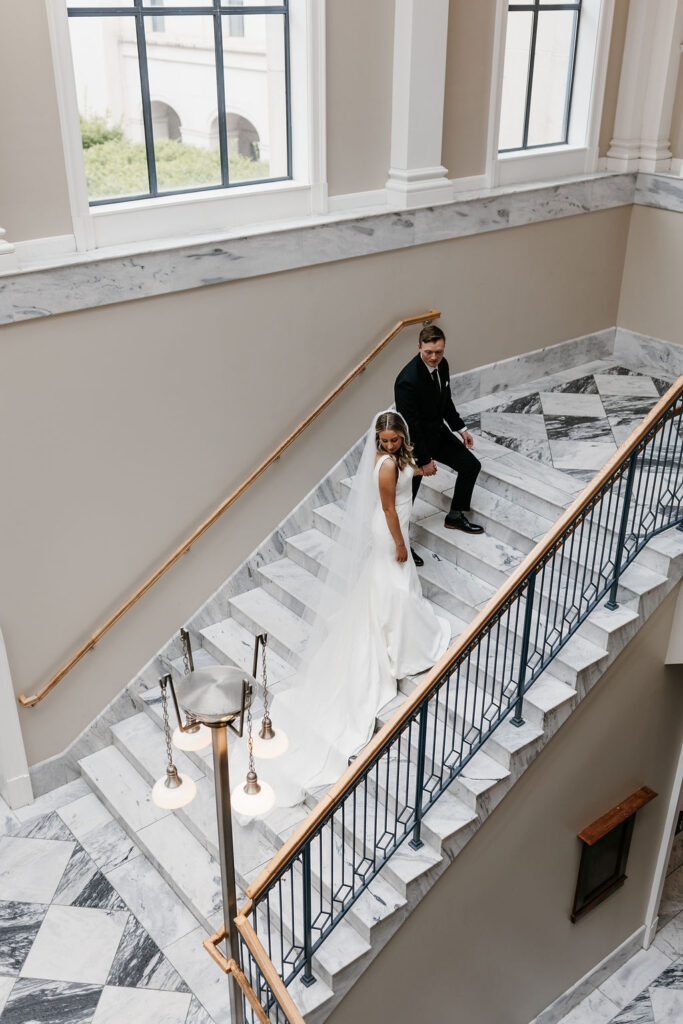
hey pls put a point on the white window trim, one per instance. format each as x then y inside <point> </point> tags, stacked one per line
<point>580,155</point>
<point>171,217</point>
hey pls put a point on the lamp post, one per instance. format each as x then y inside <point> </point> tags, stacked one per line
<point>216,697</point>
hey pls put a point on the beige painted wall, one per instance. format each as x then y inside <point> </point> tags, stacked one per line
<point>651,299</point>
<point>677,118</point>
<point>471,26</point>
<point>131,422</point>
<point>502,909</point>
<point>34,201</point>
<point>616,53</point>
<point>360,58</point>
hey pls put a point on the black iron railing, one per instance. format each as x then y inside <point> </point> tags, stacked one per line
<point>382,799</point>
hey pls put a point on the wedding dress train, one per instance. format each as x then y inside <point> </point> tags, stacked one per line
<point>381,629</point>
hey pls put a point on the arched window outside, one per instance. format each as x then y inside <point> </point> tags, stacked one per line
<point>147,84</point>
<point>540,56</point>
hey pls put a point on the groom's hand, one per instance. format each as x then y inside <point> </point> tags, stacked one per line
<point>467,438</point>
<point>429,469</point>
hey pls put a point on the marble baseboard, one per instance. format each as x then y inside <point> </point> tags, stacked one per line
<point>664,191</point>
<point>561,1006</point>
<point>647,353</point>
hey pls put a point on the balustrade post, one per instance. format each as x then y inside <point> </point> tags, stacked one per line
<point>416,842</point>
<point>307,976</point>
<point>524,653</point>
<point>612,602</point>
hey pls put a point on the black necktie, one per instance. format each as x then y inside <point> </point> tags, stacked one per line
<point>435,380</point>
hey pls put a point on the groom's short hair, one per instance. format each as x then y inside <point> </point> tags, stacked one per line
<point>430,334</point>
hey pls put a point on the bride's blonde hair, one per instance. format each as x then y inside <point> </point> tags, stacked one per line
<point>392,421</point>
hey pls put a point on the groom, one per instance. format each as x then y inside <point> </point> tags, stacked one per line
<point>423,397</point>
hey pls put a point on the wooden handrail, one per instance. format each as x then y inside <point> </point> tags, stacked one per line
<point>232,967</point>
<point>268,970</point>
<point>537,555</point>
<point>27,702</point>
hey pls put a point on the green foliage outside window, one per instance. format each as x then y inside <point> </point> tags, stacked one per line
<point>114,166</point>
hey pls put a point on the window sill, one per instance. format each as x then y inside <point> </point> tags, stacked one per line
<point>198,212</point>
<point>543,164</point>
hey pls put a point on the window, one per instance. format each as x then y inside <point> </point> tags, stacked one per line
<point>538,75</point>
<point>158,20</point>
<point>169,105</point>
<point>236,21</point>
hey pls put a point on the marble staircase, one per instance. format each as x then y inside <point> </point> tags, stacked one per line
<point>517,499</point>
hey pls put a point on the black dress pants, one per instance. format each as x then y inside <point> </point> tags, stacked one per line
<point>452,452</point>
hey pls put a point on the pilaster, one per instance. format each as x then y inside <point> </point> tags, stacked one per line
<point>416,175</point>
<point>647,86</point>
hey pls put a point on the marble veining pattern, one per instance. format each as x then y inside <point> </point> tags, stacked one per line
<point>84,282</point>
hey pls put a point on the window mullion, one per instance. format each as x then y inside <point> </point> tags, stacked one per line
<point>288,91</point>
<point>530,78</point>
<point>571,70</point>
<point>220,94</point>
<point>146,100</point>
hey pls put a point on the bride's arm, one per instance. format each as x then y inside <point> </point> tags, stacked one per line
<point>387,493</point>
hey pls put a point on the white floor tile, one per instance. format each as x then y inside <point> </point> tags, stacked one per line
<point>635,975</point>
<point>670,939</point>
<point>206,980</point>
<point>594,1009</point>
<point>5,989</point>
<point>138,1004</point>
<point>31,869</point>
<point>667,1005</point>
<point>152,900</point>
<point>75,944</point>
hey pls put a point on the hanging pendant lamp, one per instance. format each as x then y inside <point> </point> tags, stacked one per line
<point>269,743</point>
<point>172,790</point>
<point>253,797</point>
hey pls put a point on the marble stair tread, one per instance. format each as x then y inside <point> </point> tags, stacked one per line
<point>142,743</point>
<point>236,643</point>
<point>494,507</point>
<point>524,489</point>
<point>452,586</point>
<point>481,775</point>
<point>201,658</point>
<point>482,555</point>
<point>411,871</point>
<point>640,579</point>
<point>539,472</point>
<point>339,953</point>
<point>260,612</point>
<point>546,695</point>
<point>309,549</point>
<point>202,759</point>
<point>291,584</point>
<point>509,741</point>
<point>120,788</point>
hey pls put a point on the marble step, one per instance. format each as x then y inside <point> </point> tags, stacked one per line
<point>178,857</point>
<point>519,485</point>
<point>563,483</point>
<point>480,554</point>
<point>233,643</point>
<point>292,585</point>
<point>142,743</point>
<point>259,612</point>
<point>309,549</point>
<point>517,526</point>
<point>201,658</point>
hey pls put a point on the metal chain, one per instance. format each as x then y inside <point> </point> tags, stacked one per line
<point>250,740</point>
<point>167,727</point>
<point>264,641</point>
<point>186,660</point>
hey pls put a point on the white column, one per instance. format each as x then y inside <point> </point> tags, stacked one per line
<point>647,87</point>
<point>15,782</point>
<point>8,254</point>
<point>416,176</point>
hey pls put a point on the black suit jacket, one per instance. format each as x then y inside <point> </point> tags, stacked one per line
<point>423,409</point>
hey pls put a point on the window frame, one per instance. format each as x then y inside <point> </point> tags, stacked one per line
<point>579,155</point>
<point>217,209</point>
<point>535,8</point>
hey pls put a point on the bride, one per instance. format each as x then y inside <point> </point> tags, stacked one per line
<point>373,625</point>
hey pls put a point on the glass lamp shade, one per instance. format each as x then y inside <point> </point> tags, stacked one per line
<point>252,804</point>
<point>273,744</point>
<point>171,797</point>
<point>192,740</point>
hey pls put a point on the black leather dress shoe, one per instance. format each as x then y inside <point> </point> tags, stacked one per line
<point>416,558</point>
<point>459,522</point>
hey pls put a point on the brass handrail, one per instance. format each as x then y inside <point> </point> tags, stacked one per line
<point>293,845</point>
<point>27,702</point>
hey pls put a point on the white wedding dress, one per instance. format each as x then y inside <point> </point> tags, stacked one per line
<point>380,629</point>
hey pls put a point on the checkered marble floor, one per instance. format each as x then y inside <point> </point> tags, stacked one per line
<point>89,932</point>
<point>574,420</point>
